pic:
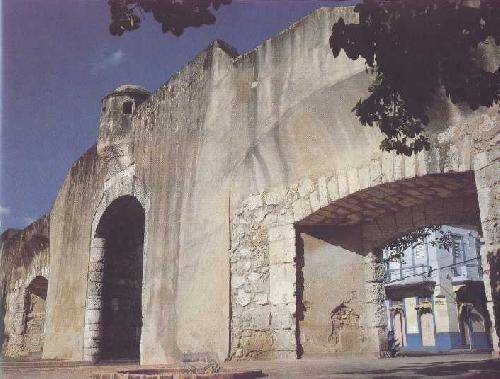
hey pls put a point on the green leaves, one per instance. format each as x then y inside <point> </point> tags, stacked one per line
<point>173,15</point>
<point>415,49</point>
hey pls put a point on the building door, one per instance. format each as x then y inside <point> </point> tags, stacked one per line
<point>465,330</point>
<point>399,323</point>
<point>427,329</point>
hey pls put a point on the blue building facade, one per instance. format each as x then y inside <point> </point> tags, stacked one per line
<point>435,294</point>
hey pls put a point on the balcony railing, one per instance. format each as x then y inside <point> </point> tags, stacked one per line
<point>467,272</point>
<point>412,274</point>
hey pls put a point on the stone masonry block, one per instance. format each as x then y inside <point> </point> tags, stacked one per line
<point>95,289</point>
<point>314,201</point>
<point>284,340</point>
<point>301,209</point>
<point>353,180</point>
<point>94,302</point>
<point>398,167</point>
<point>93,316</point>
<point>465,163</point>
<point>451,162</point>
<point>387,167</point>
<point>375,172</point>
<point>410,166</point>
<point>282,318</point>
<point>364,177</point>
<point>282,278</point>
<point>306,186</point>
<point>98,243</point>
<point>284,217</point>
<point>96,254</point>
<point>422,166</point>
<point>96,266</point>
<point>488,176</point>
<point>88,328</point>
<point>96,276</point>
<point>323,191</point>
<point>343,184</point>
<point>92,342</point>
<point>285,232</point>
<point>480,160</point>
<point>333,188</point>
<point>282,251</point>
<point>253,202</point>
<point>276,196</point>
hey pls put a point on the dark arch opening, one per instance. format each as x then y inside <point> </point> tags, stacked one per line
<point>34,315</point>
<point>122,228</point>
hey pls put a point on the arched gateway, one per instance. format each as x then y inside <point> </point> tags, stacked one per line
<point>114,293</point>
<point>34,315</point>
<point>301,252</point>
<point>113,315</point>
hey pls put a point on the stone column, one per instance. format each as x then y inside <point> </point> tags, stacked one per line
<point>282,291</point>
<point>375,318</point>
<point>15,346</point>
<point>486,169</point>
<point>489,259</point>
<point>92,343</point>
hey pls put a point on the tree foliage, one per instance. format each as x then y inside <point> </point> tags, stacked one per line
<point>415,49</point>
<point>173,15</point>
<point>419,237</point>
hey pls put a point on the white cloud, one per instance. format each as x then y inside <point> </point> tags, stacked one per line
<point>4,211</point>
<point>28,220</point>
<point>107,60</point>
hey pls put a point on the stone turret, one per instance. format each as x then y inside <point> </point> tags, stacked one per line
<point>116,116</point>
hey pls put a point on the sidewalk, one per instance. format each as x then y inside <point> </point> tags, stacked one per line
<point>444,366</point>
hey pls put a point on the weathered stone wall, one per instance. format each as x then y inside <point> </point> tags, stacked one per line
<point>360,209</point>
<point>332,299</point>
<point>225,127</point>
<point>24,257</point>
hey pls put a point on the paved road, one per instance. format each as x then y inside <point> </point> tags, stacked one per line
<point>449,366</point>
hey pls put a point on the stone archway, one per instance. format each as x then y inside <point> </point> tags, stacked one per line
<point>113,315</point>
<point>34,315</point>
<point>115,281</point>
<point>366,208</point>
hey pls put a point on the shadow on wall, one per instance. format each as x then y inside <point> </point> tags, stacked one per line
<point>299,295</point>
<point>494,259</point>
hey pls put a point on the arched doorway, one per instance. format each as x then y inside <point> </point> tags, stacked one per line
<point>114,295</point>
<point>322,240</point>
<point>341,258</point>
<point>398,322</point>
<point>474,321</point>
<point>34,315</point>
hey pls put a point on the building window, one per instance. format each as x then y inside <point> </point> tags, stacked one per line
<point>127,107</point>
<point>458,252</point>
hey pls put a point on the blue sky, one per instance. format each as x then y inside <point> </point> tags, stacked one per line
<point>58,61</point>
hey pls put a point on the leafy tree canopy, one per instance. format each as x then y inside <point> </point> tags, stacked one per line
<point>415,49</point>
<point>173,15</point>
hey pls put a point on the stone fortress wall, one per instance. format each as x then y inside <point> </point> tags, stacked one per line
<point>240,162</point>
<point>24,270</point>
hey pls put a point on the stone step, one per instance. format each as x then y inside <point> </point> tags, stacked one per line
<point>56,363</point>
<point>177,374</point>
